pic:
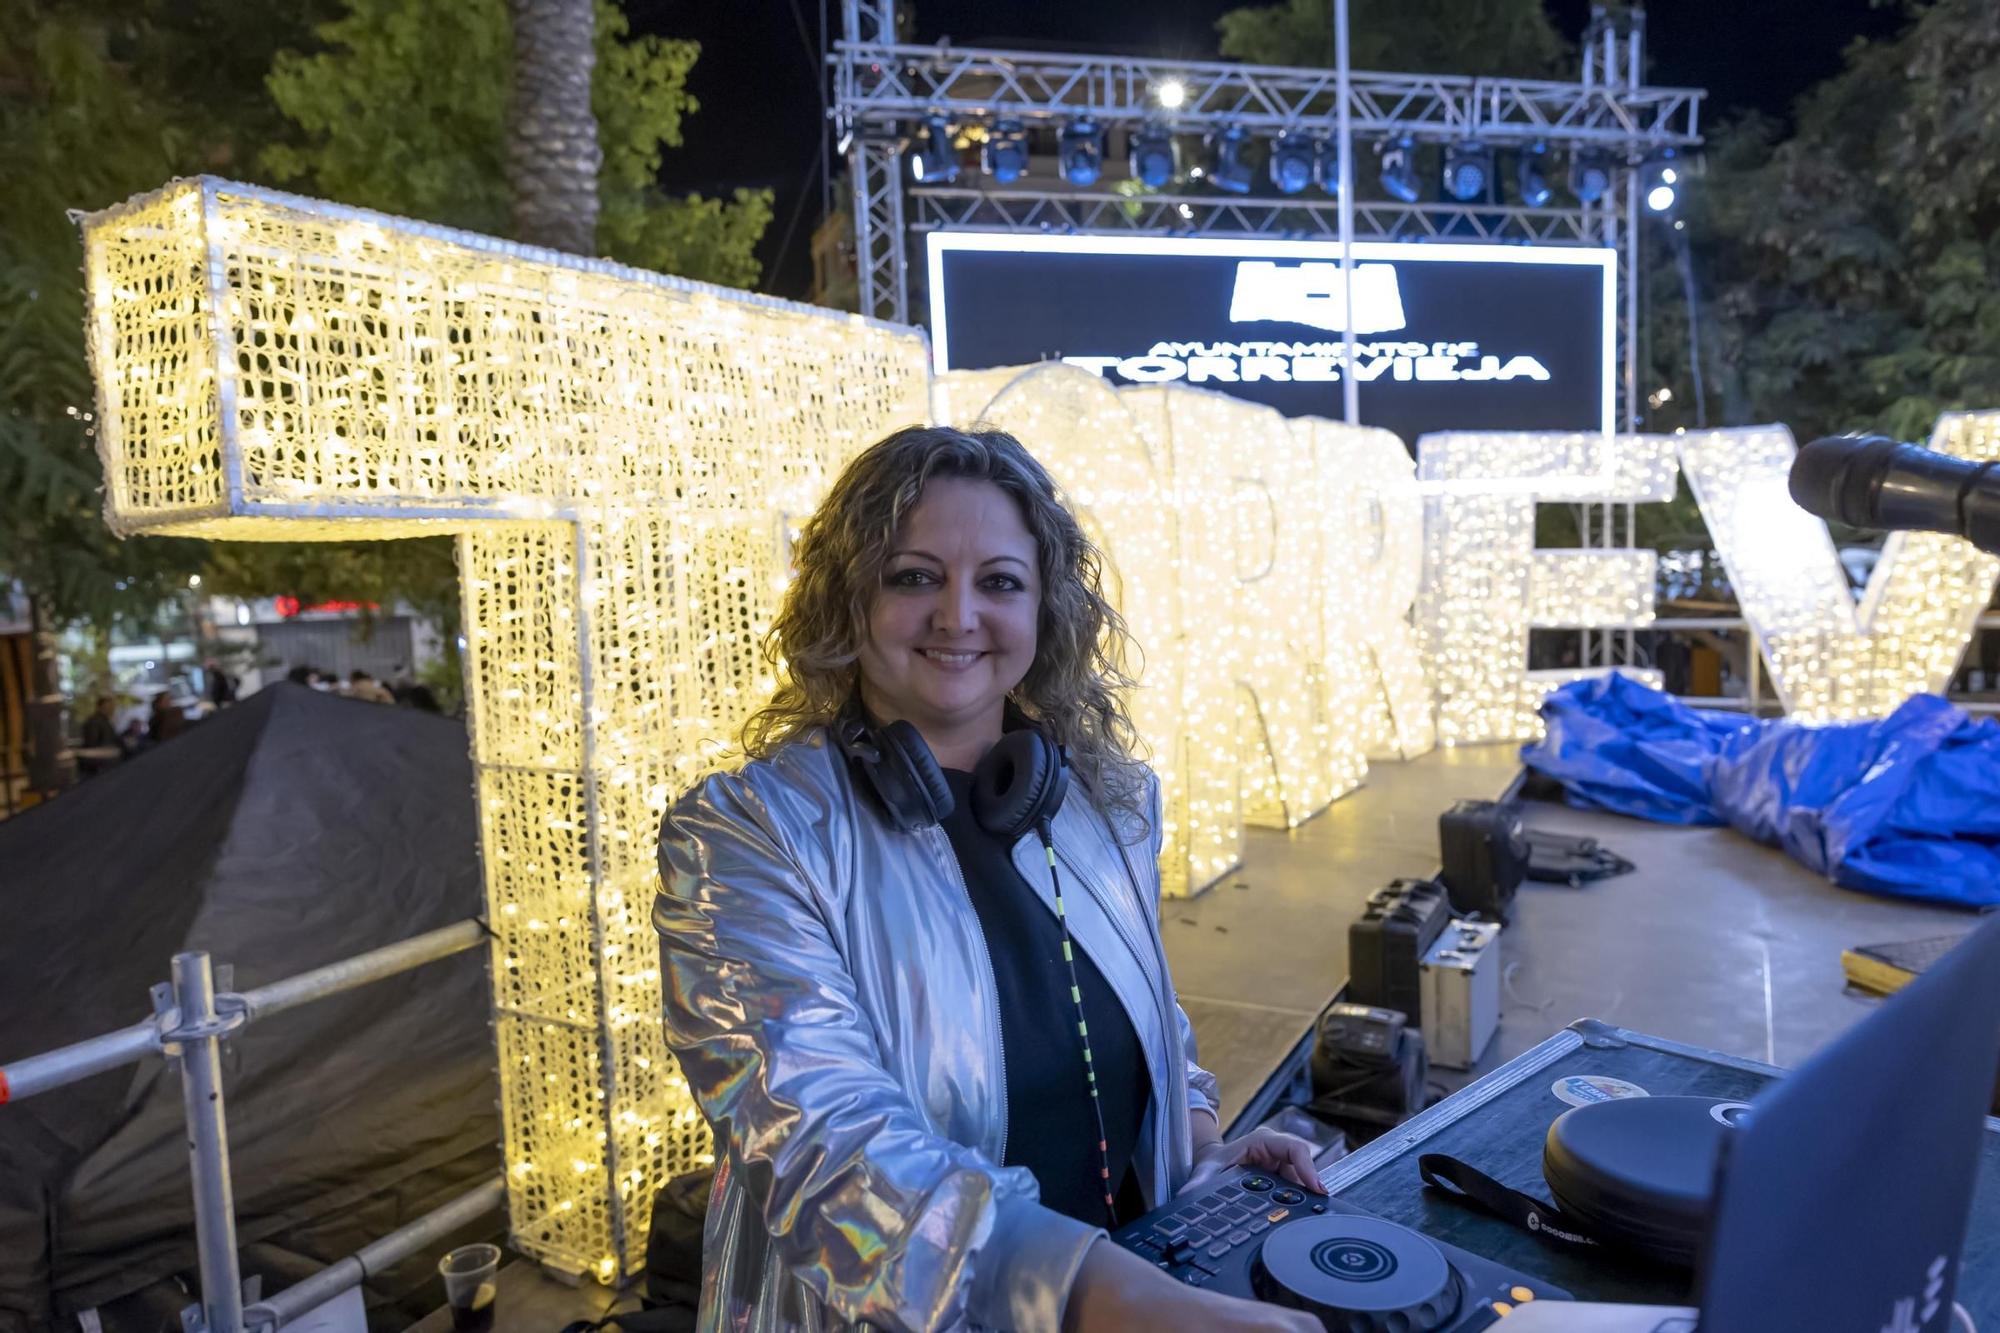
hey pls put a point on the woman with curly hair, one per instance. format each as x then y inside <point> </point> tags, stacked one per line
<point>911,951</point>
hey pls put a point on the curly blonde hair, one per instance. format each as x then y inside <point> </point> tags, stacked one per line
<point>1075,687</point>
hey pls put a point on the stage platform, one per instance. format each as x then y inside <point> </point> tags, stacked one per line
<point>1712,940</point>
<point>1258,956</point>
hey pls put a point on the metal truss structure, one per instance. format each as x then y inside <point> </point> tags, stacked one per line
<point>887,83</point>
<point>943,208</point>
<point>884,89</point>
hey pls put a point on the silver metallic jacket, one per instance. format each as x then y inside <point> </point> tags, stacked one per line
<point>832,1004</point>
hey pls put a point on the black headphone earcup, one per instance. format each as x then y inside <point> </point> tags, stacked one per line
<point>921,797</point>
<point>1019,784</point>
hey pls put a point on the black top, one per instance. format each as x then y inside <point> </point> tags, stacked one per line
<point>1050,1128</point>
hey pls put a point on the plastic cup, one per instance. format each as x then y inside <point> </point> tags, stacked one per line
<point>471,1281</point>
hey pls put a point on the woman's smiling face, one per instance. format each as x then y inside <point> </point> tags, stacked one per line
<point>952,627</point>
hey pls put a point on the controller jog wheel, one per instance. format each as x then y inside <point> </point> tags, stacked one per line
<point>1358,1274</point>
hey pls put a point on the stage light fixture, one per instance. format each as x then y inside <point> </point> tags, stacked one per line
<point>936,162</point>
<point>1399,168</point>
<point>1007,151</point>
<point>1172,93</point>
<point>1531,175</point>
<point>1326,164</point>
<point>1662,181</point>
<point>1152,156</point>
<point>1468,171</point>
<point>1589,175</point>
<point>1081,151</point>
<point>1226,164</point>
<point>1292,162</point>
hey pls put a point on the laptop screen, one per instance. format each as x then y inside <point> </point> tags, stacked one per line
<point>1843,1200</point>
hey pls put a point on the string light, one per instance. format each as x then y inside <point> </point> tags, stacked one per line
<point>1272,671</point>
<point>619,454</point>
<point>1485,586</point>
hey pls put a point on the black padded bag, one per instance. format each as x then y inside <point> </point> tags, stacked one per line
<point>1639,1172</point>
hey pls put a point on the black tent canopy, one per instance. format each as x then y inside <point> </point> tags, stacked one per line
<point>289,831</point>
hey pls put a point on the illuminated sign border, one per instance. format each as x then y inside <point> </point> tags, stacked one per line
<point>941,243</point>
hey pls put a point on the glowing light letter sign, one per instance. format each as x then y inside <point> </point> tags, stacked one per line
<point>1364,493</point>
<point>615,451</point>
<point>1485,585</point>
<point>1828,658</point>
<point>1084,433</point>
<point>1266,567</point>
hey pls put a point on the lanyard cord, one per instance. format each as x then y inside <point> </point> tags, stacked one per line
<point>1083,1034</point>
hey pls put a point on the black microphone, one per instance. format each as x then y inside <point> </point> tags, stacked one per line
<point>1868,481</point>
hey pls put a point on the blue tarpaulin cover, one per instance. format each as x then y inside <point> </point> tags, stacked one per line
<point>1908,805</point>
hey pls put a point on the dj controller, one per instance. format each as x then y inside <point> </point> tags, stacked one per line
<point>1254,1236</point>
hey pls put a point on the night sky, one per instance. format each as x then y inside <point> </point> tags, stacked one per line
<point>758,79</point>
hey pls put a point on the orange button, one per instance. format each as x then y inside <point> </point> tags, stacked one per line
<point>1502,1308</point>
<point>1277,1214</point>
<point>1522,1294</point>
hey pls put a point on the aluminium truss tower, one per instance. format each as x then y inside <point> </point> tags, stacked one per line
<point>884,90</point>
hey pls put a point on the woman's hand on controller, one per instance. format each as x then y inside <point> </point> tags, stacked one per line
<point>1118,1292</point>
<point>1265,1149</point>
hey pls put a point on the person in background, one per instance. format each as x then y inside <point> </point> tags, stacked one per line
<point>100,732</point>
<point>415,694</point>
<point>168,720</point>
<point>361,685</point>
<point>221,685</point>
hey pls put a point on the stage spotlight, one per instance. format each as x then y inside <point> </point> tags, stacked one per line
<point>1399,168</point>
<point>936,162</point>
<point>1661,183</point>
<point>1007,151</point>
<point>1292,162</point>
<point>1153,156</point>
<point>1589,175</point>
<point>1531,175</point>
<point>1081,151</point>
<point>1226,165</point>
<point>1172,93</point>
<point>1326,164</point>
<point>1468,171</point>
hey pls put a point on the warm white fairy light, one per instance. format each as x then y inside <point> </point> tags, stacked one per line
<point>1085,434</point>
<point>1829,659</point>
<point>1370,517</point>
<point>1266,568</point>
<point>621,455</point>
<point>1485,585</point>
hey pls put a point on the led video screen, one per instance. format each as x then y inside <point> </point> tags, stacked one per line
<point>1447,337</point>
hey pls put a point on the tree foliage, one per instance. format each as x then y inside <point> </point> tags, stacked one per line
<point>386,105</point>
<point>96,104</point>
<point>403,109</point>
<point>1851,269</point>
<point>1512,37</point>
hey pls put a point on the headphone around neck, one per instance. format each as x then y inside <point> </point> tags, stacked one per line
<point>1018,785</point>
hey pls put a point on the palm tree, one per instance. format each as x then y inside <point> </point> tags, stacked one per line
<point>553,157</point>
